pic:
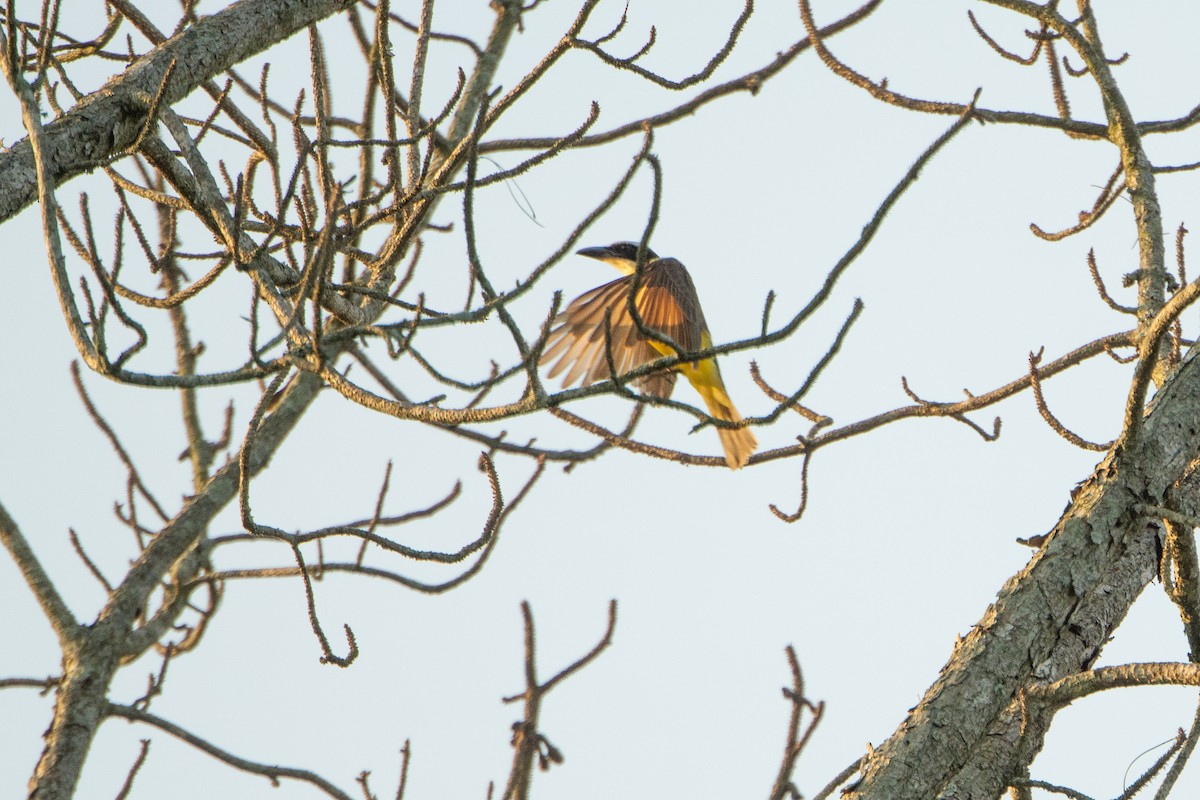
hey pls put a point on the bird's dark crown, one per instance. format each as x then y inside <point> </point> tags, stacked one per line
<point>629,250</point>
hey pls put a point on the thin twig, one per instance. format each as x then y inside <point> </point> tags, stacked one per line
<point>1051,420</point>
<point>1109,194</point>
<point>127,786</point>
<point>1185,752</point>
<point>839,779</point>
<point>795,739</point>
<point>271,772</point>
<point>528,741</point>
<point>1100,288</point>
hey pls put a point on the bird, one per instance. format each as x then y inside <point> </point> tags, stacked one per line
<point>666,302</point>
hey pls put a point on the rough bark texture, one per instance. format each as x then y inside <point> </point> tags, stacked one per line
<point>109,121</point>
<point>965,739</point>
<point>92,656</point>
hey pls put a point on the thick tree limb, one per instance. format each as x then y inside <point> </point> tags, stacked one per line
<point>964,739</point>
<point>90,663</point>
<point>108,122</point>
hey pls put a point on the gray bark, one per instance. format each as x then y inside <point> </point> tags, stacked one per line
<point>94,652</point>
<point>965,739</point>
<point>108,122</point>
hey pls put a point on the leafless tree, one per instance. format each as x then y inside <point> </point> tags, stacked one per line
<point>316,222</point>
<point>980,725</point>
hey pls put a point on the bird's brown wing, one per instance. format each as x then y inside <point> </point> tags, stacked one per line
<point>666,302</point>
<point>578,339</point>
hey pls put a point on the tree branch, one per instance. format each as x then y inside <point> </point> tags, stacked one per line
<point>61,620</point>
<point>269,771</point>
<point>107,123</point>
<point>1050,620</point>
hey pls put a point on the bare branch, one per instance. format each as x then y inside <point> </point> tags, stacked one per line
<point>91,565</point>
<point>795,739</point>
<point>328,656</point>
<point>790,518</point>
<point>1081,684</point>
<point>1100,288</point>
<point>952,410</point>
<point>1050,787</point>
<point>528,741</point>
<point>127,787</point>
<point>107,430</point>
<point>1149,352</point>
<point>1108,195</point>
<point>992,43</point>
<point>702,75</point>
<point>839,779</point>
<point>1185,753</point>
<point>271,772</point>
<point>1036,384</point>
<point>819,420</point>
<point>750,82</point>
<point>75,139</point>
<point>39,582</point>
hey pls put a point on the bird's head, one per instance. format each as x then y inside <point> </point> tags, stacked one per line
<point>622,255</point>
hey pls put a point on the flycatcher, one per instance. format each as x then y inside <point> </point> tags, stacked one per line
<point>666,302</point>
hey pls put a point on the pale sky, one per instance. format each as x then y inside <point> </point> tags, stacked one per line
<point>909,531</point>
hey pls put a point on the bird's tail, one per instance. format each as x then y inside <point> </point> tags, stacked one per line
<point>739,443</point>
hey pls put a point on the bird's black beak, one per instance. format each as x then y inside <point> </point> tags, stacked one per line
<point>600,253</point>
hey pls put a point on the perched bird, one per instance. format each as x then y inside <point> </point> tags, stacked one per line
<point>666,302</point>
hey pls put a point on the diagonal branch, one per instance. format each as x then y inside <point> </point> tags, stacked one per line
<point>107,123</point>
<point>1050,620</point>
<point>54,607</point>
<point>271,772</point>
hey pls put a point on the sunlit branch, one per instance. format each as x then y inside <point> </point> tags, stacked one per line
<point>53,606</point>
<point>1036,384</point>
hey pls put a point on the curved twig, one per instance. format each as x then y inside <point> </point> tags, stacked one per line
<point>992,43</point>
<point>750,82</point>
<point>879,91</point>
<point>1055,425</point>
<point>931,409</point>
<point>115,443</point>
<point>271,772</point>
<point>790,518</point>
<point>1101,289</point>
<point>629,64</point>
<point>818,420</point>
<point>327,654</point>
<point>1108,195</point>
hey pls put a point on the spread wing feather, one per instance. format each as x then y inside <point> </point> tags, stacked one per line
<point>666,302</point>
